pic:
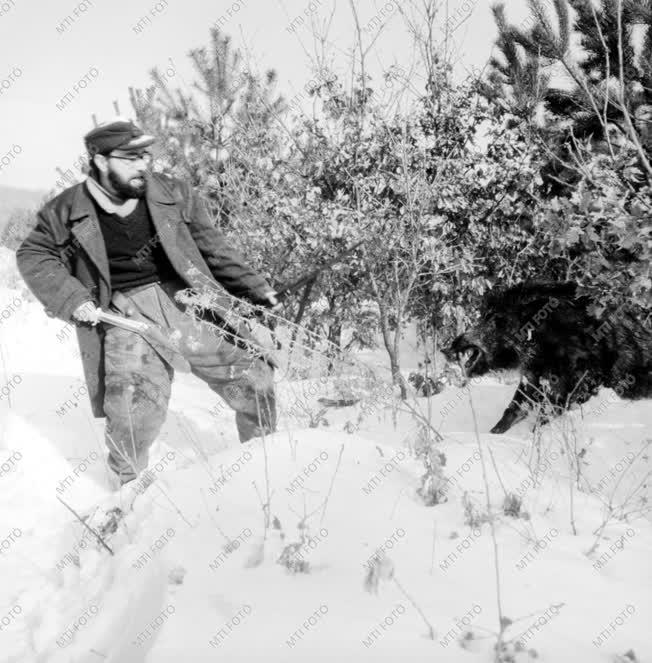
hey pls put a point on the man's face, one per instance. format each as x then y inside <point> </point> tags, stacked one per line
<point>126,172</point>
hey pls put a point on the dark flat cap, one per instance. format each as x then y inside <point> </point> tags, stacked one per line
<point>122,134</point>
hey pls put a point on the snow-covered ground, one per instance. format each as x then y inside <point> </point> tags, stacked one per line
<point>194,573</point>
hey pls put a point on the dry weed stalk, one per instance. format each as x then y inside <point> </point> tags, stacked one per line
<point>502,621</point>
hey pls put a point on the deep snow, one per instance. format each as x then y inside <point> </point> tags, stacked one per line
<point>204,599</point>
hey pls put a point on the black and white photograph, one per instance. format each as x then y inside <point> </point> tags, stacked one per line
<point>326,331</point>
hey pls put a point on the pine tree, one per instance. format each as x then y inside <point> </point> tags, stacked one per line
<point>204,133</point>
<point>603,49</point>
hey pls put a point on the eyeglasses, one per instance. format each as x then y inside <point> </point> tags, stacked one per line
<point>146,157</point>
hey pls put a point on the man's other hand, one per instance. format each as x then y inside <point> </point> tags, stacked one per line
<point>86,312</point>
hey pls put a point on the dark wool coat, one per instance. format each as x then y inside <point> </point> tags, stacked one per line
<point>64,262</point>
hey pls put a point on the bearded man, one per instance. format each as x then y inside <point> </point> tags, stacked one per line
<point>127,240</point>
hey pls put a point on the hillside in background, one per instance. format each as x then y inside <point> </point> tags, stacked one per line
<point>13,198</point>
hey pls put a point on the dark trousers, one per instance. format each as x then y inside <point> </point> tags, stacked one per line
<point>138,378</point>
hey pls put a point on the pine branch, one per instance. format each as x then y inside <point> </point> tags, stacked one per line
<point>561,7</point>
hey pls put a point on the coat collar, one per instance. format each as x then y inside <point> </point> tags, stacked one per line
<point>81,204</point>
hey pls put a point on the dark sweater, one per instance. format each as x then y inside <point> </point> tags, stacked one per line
<point>135,254</point>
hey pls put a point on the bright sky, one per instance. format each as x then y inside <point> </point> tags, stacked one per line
<point>102,47</point>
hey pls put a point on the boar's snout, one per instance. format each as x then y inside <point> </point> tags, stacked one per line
<point>468,350</point>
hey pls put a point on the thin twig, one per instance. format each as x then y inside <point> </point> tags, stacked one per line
<point>438,436</point>
<point>330,489</point>
<point>266,511</point>
<point>83,522</point>
<point>431,630</point>
<point>493,462</point>
<point>267,486</point>
<point>492,528</point>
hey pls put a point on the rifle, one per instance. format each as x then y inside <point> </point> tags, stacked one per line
<point>284,291</point>
<point>152,334</point>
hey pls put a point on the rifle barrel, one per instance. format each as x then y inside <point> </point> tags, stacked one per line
<point>285,290</point>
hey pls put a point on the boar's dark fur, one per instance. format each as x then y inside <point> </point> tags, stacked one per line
<point>564,353</point>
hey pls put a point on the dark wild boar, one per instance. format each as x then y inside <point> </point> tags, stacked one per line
<point>563,352</point>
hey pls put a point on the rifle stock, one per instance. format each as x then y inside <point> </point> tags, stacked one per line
<point>154,336</point>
